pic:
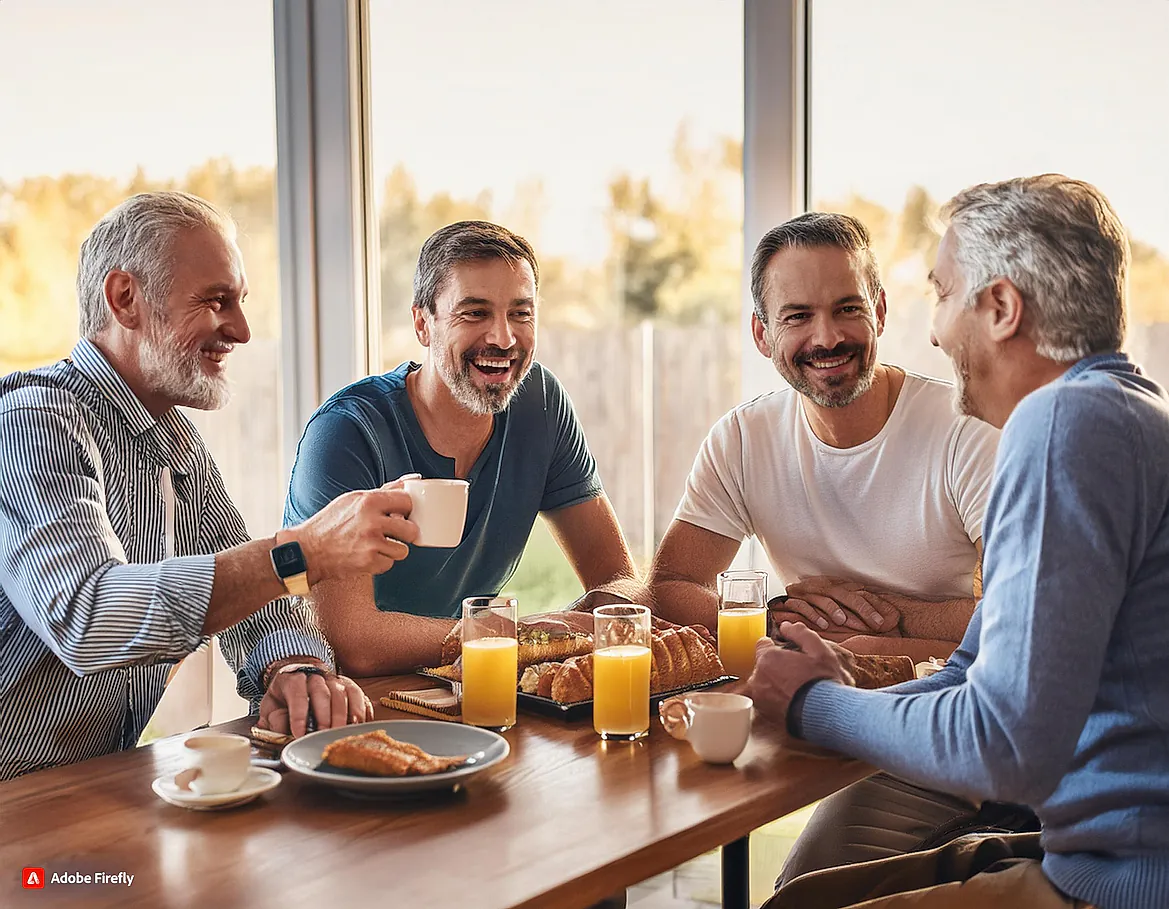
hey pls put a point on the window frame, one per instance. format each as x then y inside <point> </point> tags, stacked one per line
<point>327,219</point>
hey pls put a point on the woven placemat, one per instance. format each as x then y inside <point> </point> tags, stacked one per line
<point>436,703</point>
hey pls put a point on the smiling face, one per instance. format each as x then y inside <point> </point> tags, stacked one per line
<point>954,328</point>
<point>482,335</point>
<point>188,335</point>
<point>822,328</point>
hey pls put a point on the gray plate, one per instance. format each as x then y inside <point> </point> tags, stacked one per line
<point>440,738</point>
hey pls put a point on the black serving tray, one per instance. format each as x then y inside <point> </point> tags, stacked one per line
<point>583,710</point>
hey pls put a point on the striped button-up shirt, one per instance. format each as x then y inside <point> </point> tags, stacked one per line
<point>109,521</point>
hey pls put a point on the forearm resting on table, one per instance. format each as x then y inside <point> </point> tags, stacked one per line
<point>944,620</point>
<point>684,602</point>
<point>917,649</point>
<point>368,642</point>
<point>926,629</point>
<point>629,588</point>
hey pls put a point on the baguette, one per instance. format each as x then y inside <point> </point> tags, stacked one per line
<point>534,646</point>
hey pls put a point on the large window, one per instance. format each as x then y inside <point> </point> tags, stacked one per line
<point>100,101</point>
<point>912,101</point>
<point>610,135</point>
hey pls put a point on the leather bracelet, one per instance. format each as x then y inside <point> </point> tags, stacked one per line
<point>304,670</point>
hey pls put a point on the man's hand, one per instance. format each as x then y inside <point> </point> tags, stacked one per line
<point>360,532</point>
<point>335,701</point>
<point>836,604</point>
<point>780,672</point>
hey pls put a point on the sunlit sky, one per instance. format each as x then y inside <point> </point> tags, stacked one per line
<point>472,95</point>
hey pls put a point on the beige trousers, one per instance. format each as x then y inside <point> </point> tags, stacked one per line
<point>987,871</point>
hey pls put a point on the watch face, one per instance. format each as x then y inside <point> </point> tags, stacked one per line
<point>289,560</point>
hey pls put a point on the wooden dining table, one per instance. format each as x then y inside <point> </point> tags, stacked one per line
<point>564,821</point>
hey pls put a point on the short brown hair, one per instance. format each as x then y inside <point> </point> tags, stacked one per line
<point>465,241</point>
<point>816,228</point>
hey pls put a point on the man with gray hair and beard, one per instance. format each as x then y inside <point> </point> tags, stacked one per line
<point>866,492</point>
<point>120,552</point>
<point>478,408</point>
<point>1058,696</point>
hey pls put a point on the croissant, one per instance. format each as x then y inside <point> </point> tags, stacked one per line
<point>537,679</point>
<point>377,754</point>
<point>680,657</point>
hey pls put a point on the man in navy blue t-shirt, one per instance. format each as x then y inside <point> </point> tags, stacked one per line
<point>478,408</point>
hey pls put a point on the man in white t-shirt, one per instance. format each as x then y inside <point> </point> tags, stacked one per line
<point>864,487</point>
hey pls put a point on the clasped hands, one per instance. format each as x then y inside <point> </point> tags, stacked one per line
<point>781,670</point>
<point>839,608</point>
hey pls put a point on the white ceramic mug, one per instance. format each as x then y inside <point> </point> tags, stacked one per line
<point>439,508</point>
<point>717,725</point>
<point>216,763</point>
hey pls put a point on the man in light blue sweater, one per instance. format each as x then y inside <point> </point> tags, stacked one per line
<point>1058,696</point>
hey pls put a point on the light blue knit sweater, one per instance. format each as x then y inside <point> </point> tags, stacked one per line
<point>1058,697</point>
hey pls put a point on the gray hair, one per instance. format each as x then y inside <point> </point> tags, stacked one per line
<point>465,241</point>
<point>1061,244</point>
<point>810,230</point>
<point>138,237</point>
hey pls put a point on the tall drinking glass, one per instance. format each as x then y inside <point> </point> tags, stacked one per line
<point>621,663</point>
<point>489,662</point>
<point>742,618</point>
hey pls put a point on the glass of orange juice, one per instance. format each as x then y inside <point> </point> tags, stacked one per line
<point>490,665</point>
<point>742,618</point>
<point>621,662</point>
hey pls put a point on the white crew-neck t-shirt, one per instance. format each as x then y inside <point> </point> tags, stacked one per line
<point>899,512</point>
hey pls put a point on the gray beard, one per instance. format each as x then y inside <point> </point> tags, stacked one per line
<point>479,401</point>
<point>177,374</point>
<point>962,401</point>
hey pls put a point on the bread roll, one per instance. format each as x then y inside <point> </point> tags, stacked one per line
<point>874,671</point>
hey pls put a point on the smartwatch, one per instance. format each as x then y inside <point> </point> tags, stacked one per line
<point>289,564</point>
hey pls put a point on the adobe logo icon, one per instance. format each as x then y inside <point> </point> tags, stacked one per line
<point>33,878</point>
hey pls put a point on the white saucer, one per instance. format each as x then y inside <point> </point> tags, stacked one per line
<point>258,780</point>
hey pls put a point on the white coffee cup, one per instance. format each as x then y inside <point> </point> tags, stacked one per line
<point>216,763</point>
<point>439,508</point>
<point>717,725</point>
